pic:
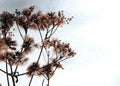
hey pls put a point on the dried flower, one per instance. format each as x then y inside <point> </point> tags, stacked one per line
<point>33,69</point>
<point>28,44</point>
<point>47,70</point>
<point>20,58</point>
<point>27,12</point>
<point>21,61</point>
<point>59,65</point>
<point>7,20</point>
<point>11,43</point>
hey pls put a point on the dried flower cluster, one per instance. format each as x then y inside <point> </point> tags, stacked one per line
<point>7,20</point>
<point>54,50</point>
<point>59,48</point>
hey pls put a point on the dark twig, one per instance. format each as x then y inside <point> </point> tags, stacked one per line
<point>43,82</point>
<point>8,82</point>
<point>31,80</point>
<point>19,31</point>
<point>12,75</point>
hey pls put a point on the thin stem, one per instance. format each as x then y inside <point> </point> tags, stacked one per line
<point>44,76</point>
<point>16,69</point>
<point>52,28</point>
<point>40,53</point>
<point>7,73</point>
<point>22,74</point>
<point>31,80</point>
<point>12,75</point>
<point>42,42</point>
<point>54,70</point>
<point>40,33</point>
<point>48,77</point>
<point>19,31</point>
<point>43,82</point>
<point>52,32</point>
<point>64,59</point>
<point>4,72</point>
<point>48,81</point>
<point>44,58</point>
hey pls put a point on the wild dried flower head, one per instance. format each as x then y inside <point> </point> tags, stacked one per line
<point>47,70</point>
<point>21,61</point>
<point>71,52</point>
<point>20,58</point>
<point>28,44</point>
<point>6,20</point>
<point>56,63</point>
<point>28,19</point>
<point>27,12</point>
<point>33,69</point>
<point>15,59</point>
<point>21,20</point>
<point>59,47</point>
<point>11,43</point>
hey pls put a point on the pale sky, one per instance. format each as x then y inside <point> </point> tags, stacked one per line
<point>94,34</point>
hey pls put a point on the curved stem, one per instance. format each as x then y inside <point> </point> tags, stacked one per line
<point>43,82</point>
<point>31,80</point>
<point>40,33</point>
<point>19,31</point>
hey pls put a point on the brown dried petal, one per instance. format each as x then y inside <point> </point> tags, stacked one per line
<point>60,65</point>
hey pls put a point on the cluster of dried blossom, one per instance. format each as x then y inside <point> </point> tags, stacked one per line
<point>55,50</point>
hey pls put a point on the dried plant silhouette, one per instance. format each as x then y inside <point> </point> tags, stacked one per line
<point>15,55</point>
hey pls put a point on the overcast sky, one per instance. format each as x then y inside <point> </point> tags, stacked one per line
<point>95,35</point>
